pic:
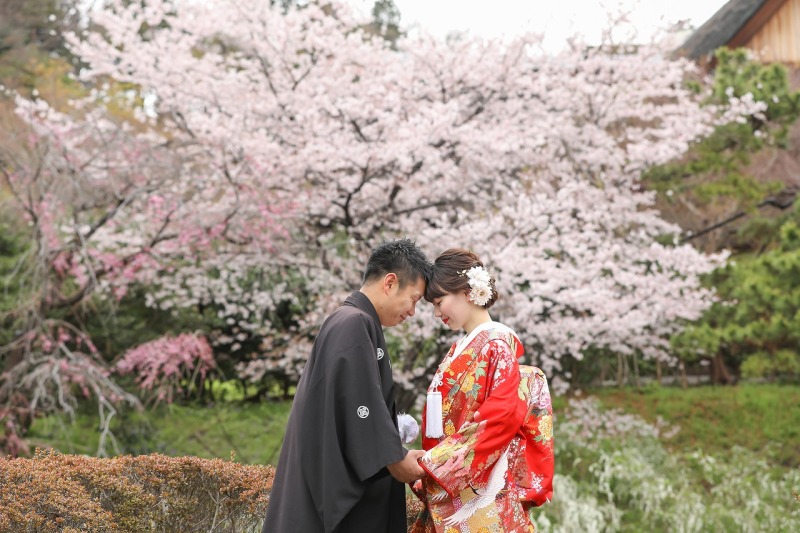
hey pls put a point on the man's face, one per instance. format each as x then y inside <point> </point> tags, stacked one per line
<point>401,303</point>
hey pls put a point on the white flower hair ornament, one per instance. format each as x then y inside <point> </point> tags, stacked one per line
<point>480,285</point>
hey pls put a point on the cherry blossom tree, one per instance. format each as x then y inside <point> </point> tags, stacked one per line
<point>106,203</point>
<point>274,149</point>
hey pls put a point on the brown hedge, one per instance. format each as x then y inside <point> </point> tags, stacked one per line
<point>53,492</point>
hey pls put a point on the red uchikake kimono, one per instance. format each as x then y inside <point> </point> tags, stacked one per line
<point>486,476</point>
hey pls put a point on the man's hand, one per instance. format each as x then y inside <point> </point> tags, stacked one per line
<point>408,470</point>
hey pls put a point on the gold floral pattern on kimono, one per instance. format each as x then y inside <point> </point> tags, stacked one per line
<point>486,476</point>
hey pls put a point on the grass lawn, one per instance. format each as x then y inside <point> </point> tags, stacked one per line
<point>251,431</point>
<point>714,419</point>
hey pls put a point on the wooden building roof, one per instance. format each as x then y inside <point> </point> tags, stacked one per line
<point>770,28</point>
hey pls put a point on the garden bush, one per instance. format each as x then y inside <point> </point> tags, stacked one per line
<point>52,492</point>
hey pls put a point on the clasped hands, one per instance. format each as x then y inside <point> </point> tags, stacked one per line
<point>408,470</point>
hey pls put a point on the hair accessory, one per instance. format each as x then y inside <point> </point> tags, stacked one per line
<point>480,285</point>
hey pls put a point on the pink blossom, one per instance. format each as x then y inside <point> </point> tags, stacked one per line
<point>167,363</point>
<point>292,152</point>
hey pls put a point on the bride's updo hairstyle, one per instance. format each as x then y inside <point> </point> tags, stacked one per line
<point>449,276</point>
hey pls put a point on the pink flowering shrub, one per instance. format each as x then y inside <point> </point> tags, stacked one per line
<point>169,365</point>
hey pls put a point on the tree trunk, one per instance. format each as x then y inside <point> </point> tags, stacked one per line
<point>574,377</point>
<point>658,371</point>
<point>603,369</point>
<point>684,379</point>
<point>720,375</point>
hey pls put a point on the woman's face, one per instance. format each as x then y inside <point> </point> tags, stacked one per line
<point>453,309</point>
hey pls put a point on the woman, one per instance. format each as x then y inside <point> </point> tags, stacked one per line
<point>487,426</point>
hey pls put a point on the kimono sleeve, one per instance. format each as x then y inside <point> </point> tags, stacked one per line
<point>467,457</point>
<point>534,466</point>
<point>366,432</point>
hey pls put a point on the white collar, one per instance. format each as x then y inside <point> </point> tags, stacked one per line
<point>466,339</point>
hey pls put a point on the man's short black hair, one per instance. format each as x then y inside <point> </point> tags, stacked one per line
<point>400,256</point>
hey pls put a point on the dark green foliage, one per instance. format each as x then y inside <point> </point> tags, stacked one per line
<point>733,184</point>
<point>756,323</point>
<point>737,75</point>
<point>722,156</point>
<point>31,34</point>
<point>36,22</point>
<point>386,20</point>
<point>750,329</point>
<point>715,178</point>
<point>118,326</point>
<point>13,288</point>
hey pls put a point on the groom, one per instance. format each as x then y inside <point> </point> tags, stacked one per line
<point>342,466</point>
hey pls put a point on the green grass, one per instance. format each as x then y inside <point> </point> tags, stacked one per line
<point>711,419</point>
<point>253,432</point>
<point>714,419</point>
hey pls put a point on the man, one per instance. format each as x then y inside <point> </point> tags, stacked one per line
<point>342,466</point>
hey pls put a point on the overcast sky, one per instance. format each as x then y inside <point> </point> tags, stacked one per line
<point>556,19</point>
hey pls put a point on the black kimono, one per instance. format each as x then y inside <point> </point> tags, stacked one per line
<point>342,432</point>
